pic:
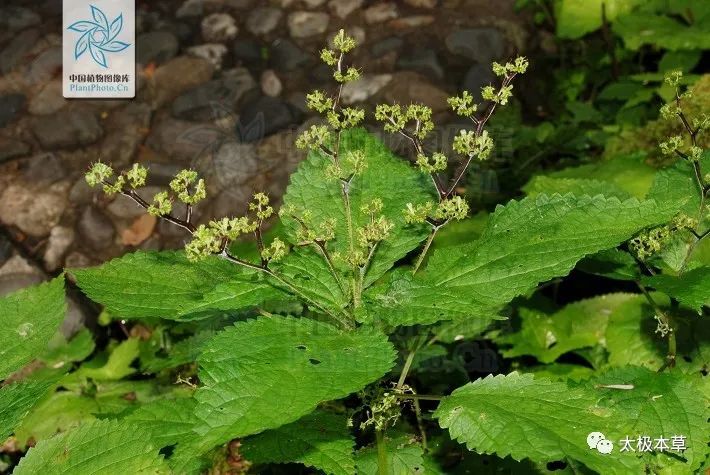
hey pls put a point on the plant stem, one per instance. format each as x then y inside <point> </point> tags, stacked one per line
<point>427,245</point>
<point>665,319</point>
<point>405,370</point>
<point>382,468</point>
<point>420,424</point>
<point>419,397</point>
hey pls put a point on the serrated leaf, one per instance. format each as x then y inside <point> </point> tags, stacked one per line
<point>386,177</point>
<point>611,263</point>
<point>660,404</point>
<point>294,364</point>
<point>16,400</point>
<point>403,457</point>
<point>579,186</point>
<point>537,419</point>
<point>676,186</point>
<point>97,447</point>
<point>576,18</point>
<point>526,242</point>
<point>168,420</point>
<point>183,352</point>
<point>691,288</point>
<point>167,285</point>
<point>662,31</point>
<point>547,336</point>
<point>320,440</point>
<point>28,320</point>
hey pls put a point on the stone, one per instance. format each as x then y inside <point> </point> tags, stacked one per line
<point>219,28</point>
<point>44,168</point>
<point>421,3</point>
<point>17,18</point>
<point>127,128</point>
<point>190,8</point>
<point>49,100</point>
<point>125,208</point>
<point>476,77</point>
<point>343,8</point>
<point>11,148</point>
<point>313,3</point>
<point>212,52</point>
<point>35,211</point>
<point>60,238</point>
<point>67,128</point>
<point>263,20</point>
<point>382,47</point>
<point>81,192</point>
<point>214,99</point>
<point>45,66</point>
<point>409,22</point>
<point>10,107</point>
<point>304,24</point>
<point>95,228</point>
<point>178,75</point>
<point>364,88</point>
<point>287,56</point>
<point>422,61</point>
<point>246,52</point>
<point>6,249</point>
<point>381,12</point>
<point>156,47</point>
<point>76,260</point>
<point>181,140</point>
<point>482,45</point>
<point>160,173</point>
<point>408,87</point>
<point>262,117</point>
<point>233,164</point>
<point>12,282</point>
<point>270,83</point>
<point>17,49</point>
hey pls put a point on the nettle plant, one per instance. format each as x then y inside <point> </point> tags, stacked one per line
<point>316,348</point>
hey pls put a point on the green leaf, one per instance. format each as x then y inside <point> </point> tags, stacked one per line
<point>576,18</point>
<point>548,336</point>
<point>93,448</point>
<point>579,186</point>
<point>538,419</point>
<point>611,263</point>
<point>403,457</point>
<point>29,318</point>
<point>295,364</point>
<point>183,352</point>
<point>16,400</point>
<point>526,242</point>
<point>320,440</point>
<point>167,285</point>
<point>168,420</point>
<point>386,177</point>
<point>676,186</point>
<point>691,288</point>
<point>664,404</point>
<point>661,31</point>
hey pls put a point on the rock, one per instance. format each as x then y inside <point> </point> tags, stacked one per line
<point>407,88</point>
<point>6,249</point>
<point>19,265</point>
<point>49,100</point>
<point>246,52</point>
<point>156,47</point>
<point>12,282</point>
<point>212,52</point>
<point>381,12</point>
<point>35,211</point>
<point>233,164</point>
<point>263,20</point>
<point>95,228</point>
<point>139,230</point>
<point>190,8</point>
<point>416,21</point>
<point>421,3</point>
<point>219,28</point>
<point>76,260</point>
<point>477,76</point>
<point>262,117</point>
<point>286,56</point>
<point>270,83</point>
<point>422,61</point>
<point>17,18</point>
<point>17,49</point>
<point>178,75</point>
<point>215,98</point>
<point>304,24</point>
<point>46,66</point>
<point>81,192</point>
<point>60,238</point>
<point>321,74</point>
<point>160,174</point>
<point>181,140</point>
<point>44,168</point>
<point>343,8</point>
<point>11,148</point>
<point>125,208</point>
<point>364,88</point>
<point>482,45</point>
<point>67,128</point>
<point>127,128</point>
<point>297,100</point>
<point>10,107</point>
<point>313,3</point>
<point>393,43</point>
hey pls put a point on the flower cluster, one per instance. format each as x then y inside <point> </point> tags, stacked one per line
<point>454,208</point>
<point>189,188</point>
<point>396,118</point>
<point>652,242</point>
<point>467,142</point>
<point>99,174</point>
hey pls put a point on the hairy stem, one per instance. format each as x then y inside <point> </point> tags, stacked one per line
<point>382,468</point>
<point>425,249</point>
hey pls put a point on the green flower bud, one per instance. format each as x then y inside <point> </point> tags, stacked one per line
<point>352,74</point>
<point>137,175</point>
<point>375,231</point>
<point>452,208</point>
<point>181,185</point>
<point>329,57</point>
<point>671,145</point>
<point>463,105</point>
<point>98,173</point>
<point>205,241</point>
<point>392,116</point>
<point>436,163</point>
<point>318,101</point>
<point>260,205</point>
<point>314,138</point>
<point>417,214</point>
<point>162,204</point>
<point>276,251</point>
<point>468,143</point>
<point>355,161</point>
<point>373,206</point>
<point>673,78</point>
<point>117,186</point>
<point>344,43</point>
